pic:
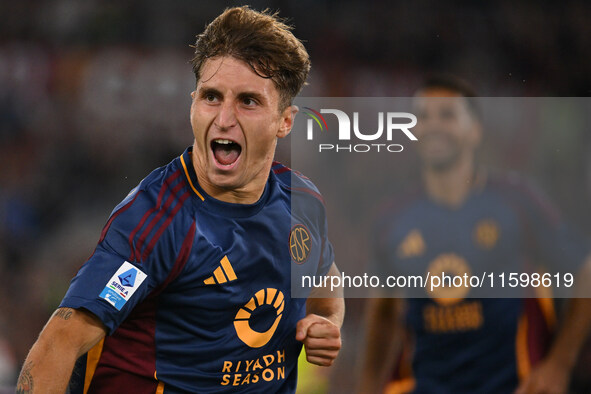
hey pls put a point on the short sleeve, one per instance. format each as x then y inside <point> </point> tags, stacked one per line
<point>551,242</point>
<point>327,254</point>
<point>135,254</point>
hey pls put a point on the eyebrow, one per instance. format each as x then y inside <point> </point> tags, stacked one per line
<point>254,95</point>
<point>203,91</point>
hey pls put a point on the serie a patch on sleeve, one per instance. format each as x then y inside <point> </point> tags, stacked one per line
<point>122,285</point>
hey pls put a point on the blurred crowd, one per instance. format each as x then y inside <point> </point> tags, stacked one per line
<point>94,94</point>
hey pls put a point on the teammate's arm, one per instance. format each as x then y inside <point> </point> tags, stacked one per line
<point>68,334</point>
<point>320,330</point>
<point>552,375</point>
<point>383,333</point>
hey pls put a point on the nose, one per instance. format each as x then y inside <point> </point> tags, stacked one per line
<point>226,117</point>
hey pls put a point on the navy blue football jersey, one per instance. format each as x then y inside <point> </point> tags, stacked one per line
<point>196,293</point>
<point>462,343</point>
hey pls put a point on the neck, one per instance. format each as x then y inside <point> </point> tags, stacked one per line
<point>450,186</point>
<point>235,196</point>
<point>246,194</point>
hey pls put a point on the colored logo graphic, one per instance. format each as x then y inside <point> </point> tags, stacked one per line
<point>122,285</point>
<point>128,277</point>
<point>317,117</point>
<point>222,274</point>
<point>264,298</point>
<point>300,243</point>
<point>486,234</point>
<point>453,265</point>
<point>412,246</point>
<point>352,129</point>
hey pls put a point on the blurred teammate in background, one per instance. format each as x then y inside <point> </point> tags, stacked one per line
<point>189,287</point>
<point>465,220</point>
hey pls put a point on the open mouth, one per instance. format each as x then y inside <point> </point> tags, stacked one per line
<point>225,152</point>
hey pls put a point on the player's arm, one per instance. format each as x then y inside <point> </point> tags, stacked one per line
<point>383,333</point>
<point>553,373</point>
<point>68,334</point>
<point>320,330</point>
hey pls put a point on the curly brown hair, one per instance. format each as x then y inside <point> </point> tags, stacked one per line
<point>263,41</point>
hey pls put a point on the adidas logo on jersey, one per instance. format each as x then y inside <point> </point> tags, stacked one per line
<point>222,274</point>
<point>412,246</point>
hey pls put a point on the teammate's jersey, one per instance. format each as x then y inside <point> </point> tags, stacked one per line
<point>464,344</point>
<point>195,292</point>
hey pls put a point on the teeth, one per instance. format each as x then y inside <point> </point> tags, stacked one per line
<point>224,142</point>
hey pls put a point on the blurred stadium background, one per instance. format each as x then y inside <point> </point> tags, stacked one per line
<point>94,94</point>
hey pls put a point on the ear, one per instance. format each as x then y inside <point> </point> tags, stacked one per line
<point>192,106</point>
<point>287,120</point>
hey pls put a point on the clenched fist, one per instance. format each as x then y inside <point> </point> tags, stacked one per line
<point>321,338</point>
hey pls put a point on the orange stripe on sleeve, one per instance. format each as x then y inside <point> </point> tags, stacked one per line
<point>548,310</point>
<point>400,386</point>
<point>92,358</point>
<point>521,349</point>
